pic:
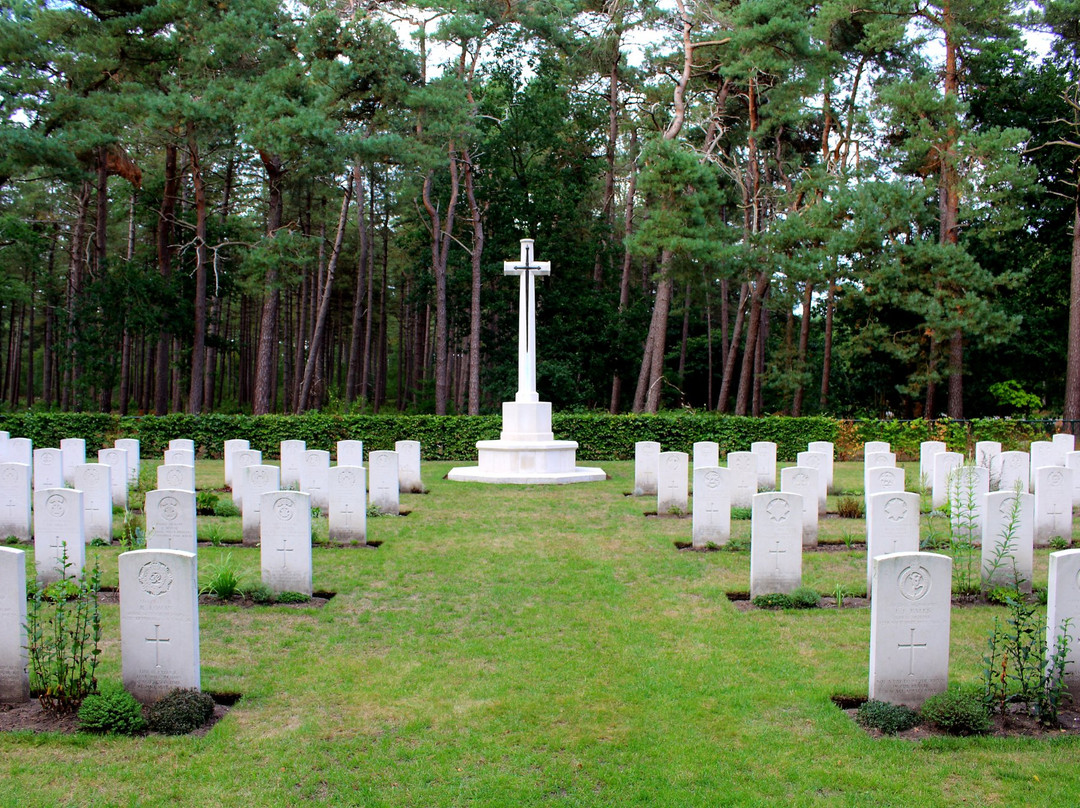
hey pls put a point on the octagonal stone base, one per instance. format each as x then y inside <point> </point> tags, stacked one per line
<point>550,462</point>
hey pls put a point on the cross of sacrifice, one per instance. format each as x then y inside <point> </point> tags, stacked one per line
<point>912,645</point>
<point>157,639</point>
<point>527,269</point>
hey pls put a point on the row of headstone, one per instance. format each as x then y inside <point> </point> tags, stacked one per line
<point>1007,470</point>
<point>761,459</point>
<point>307,470</point>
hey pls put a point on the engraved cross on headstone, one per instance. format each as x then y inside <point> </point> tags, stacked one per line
<point>527,269</point>
<point>157,639</point>
<point>777,552</point>
<point>912,645</point>
<point>347,512</point>
<point>1055,512</point>
<point>283,549</point>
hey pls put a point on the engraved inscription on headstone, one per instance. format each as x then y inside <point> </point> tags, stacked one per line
<point>170,520</point>
<point>776,543</point>
<point>14,680</point>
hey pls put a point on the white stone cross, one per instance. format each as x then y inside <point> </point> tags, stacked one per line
<point>527,269</point>
<point>911,644</point>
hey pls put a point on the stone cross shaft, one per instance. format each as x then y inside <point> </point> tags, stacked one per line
<point>527,269</point>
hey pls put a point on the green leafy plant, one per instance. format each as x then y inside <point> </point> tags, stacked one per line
<point>958,711</point>
<point>11,540</point>
<point>850,508</point>
<point>1017,668</point>
<point>260,593</point>
<point>1001,595</point>
<point>132,534</point>
<point>226,508</point>
<point>805,597</point>
<point>737,544</point>
<point>840,593</point>
<point>373,511</point>
<point>205,502</point>
<point>224,582</point>
<point>742,513</point>
<point>111,710</point>
<point>63,628</point>
<point>98,542</point>
<point>211,533</point>
<point>1001,568</point>
<point>1059,543</point>
<point>887,717</point>
<point>292,597</point>
<point>676,511</point>
<point>773,600</point>
<point>180,712</point>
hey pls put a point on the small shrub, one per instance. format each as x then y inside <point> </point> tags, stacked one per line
<point>676,511</point>
<point>14,540</point>
<point>226,508</point>
<point>1059,543</point>
<point>99,542</point>
<point>111,710</point>
<point>292,597</point>
<point>180,712</point>
<point>224,582</point>
<point>373,511</point>
<point>887,717</point>
<point>773,600</point>
<point>805,597</point>
<point>850,508</point>
<point>958,711</point>
<point>205,502</point>
<point>1001,595</point>
<point>1041,594</point>
<point>737,545</point>
<point>742,513</point>
<point>261,593</point>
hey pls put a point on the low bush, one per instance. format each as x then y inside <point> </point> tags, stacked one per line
<point>850,508</point>
<point>261,593</point>
<point>205,502</point>
<point>226,508</point>
<point>773,600</point>
<point>887,717</point>
<point>742,513</point>
<point>111,710</point>
<point>1001,595</point>
<point>292,597</point>
<point>180,712</point>
<point>805,597</point>
<point>958,711</point>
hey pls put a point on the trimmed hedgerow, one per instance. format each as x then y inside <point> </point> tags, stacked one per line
<point>600,436</point>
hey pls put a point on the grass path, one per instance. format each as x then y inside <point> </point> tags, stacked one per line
<point>538,646</point>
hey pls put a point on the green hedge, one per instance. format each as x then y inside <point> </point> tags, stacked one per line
<point>599,436</point>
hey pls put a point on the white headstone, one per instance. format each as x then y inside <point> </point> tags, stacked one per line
<point>180,477</point>
<point>159,622</point>
<point>672,495</point>
<point>170,520</point>
<point>744,478</point>
<point>909,627</point>
<point>19,450</point>
<point>805,482</point>
<point>48,468</point>
<point>286,541</point>
<point>1064,443</point>
<point>876,447</point>
<point>241,459</point>
<point>712,507</point>
<point>74,450</point>
<point>315,477</point>
<point>292,458</point>
<point>15,501</point>
<point>988,455</point>
<point>819,461</point>
<point>765,452</point>
<point>1043,453</point>
<point>228,448</point>
<point>1053,504</point>
<point>880,480</point>
<point>927,450</point>
<point>117,460</point>
<point>1014,469</point>
<point>185,444</point>
<point>350,453</point>
<point>706,454</point>
<point>14,679</point>
<point>348,504</point>
<point>826,448</point>
<point>134,463</point>
<point>892,526</point>
<point>944,465</point>
<point>775,543</point>
<point>646,464</point>
<point>968,487</point>
<point>1008,539</point>
<point>95,481</point>
<point>179,457</point>
<point>408,452</point>
<point>256,481</point>
<point>1063,604</point>
<point>384,482</point>
<point>878,460</point>
<point>1072,462</point>
<point>58,522</point>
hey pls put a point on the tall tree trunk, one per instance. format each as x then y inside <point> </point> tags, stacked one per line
<point>441,230</point>
<point>658,333</point>
<point>477,257</point>
<point>826,358</point>
<point>627,262</point>
<point>164,258</point>
<point>369,296</point>
<point>733,350</point>
<point>682,343</point>
<point>266,352</point>
<point>949,200</point>
<point>319,333</point>
<point>1072,361</point>
<point>804,341</point>
<point>362,247</point>
<point>198,347</point>
<point>761,286</point>
<point>76,270</point>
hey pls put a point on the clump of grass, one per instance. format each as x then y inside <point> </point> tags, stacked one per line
<point>742,513</point>
<point>850,508</point>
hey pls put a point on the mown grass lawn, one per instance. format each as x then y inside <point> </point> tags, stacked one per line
<point>538,646</point>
